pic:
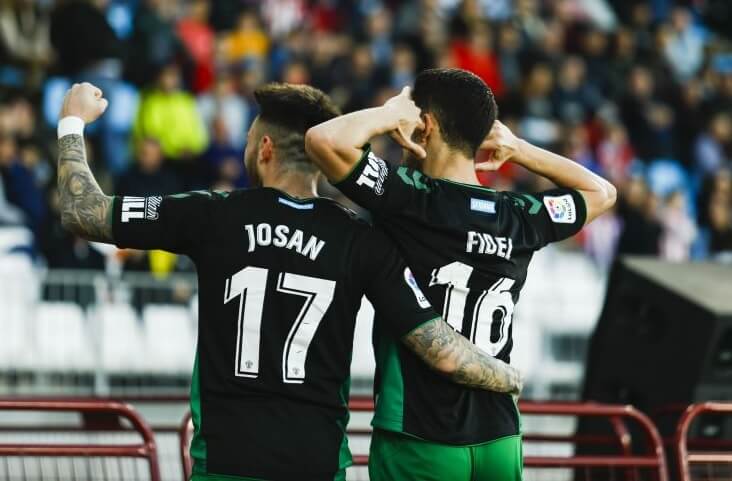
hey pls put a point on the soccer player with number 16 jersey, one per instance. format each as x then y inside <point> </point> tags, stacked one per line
<point>469,248</point>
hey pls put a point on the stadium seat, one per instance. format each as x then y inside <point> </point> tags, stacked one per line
<point>169,339</point>
<point>120,338</point>
<point>62,341</point>
<point>362,362</point>
<point>15,338</point>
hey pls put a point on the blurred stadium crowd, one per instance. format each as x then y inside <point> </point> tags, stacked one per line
<point>640,91</point>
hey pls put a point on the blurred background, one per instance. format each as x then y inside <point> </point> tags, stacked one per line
<point>638,91</point>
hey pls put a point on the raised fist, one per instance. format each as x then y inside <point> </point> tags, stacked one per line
<point>85,101</point>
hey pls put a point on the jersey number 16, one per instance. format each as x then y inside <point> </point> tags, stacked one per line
<point>491,314</point>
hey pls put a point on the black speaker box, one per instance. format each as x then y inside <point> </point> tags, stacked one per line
<point>664,338</point>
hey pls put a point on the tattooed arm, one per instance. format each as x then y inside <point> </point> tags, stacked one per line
<point>449,353</point>
<point>85,210</point>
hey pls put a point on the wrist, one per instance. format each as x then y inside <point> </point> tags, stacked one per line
<point>70,125</point>
<point>519,156</point>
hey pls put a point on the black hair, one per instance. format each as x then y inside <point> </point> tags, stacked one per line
<point>462,104</point>
<point>287,112</point>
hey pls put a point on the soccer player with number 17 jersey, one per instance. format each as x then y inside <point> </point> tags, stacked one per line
<point>469,248</point>
<point>281,276</point>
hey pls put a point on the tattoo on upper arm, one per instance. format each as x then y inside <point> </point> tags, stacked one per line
<point>438,344</point>
<point>84,207</point>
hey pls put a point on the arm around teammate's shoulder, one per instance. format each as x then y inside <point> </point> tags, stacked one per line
<point>451,354</point>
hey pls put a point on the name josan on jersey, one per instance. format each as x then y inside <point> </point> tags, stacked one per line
<point>469,248</point>
<point>280,284</point>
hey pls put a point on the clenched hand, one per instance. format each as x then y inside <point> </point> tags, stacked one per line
<point>84,101</point>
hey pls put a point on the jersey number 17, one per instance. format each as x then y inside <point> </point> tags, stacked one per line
<point>251,282</point>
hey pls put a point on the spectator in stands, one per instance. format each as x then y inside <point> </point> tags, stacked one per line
<point>575,99</point>
<point>615,154</point>
<point>712,149</point>
<point>648,119</point>
<point>363,78</point>
<point>198,38</point>
<point>378,30</point>
<point>83,40</point>
<point>403,67</point>
<point>154,42</point>
<point>720,225</point>
<point>684,47</point>
<point>149,175</point>
<point>223,104</point>
<point>637,209</point>
<point>248,40</point>
<point>533,107</point>
<point>19,184</point>
<point>475,53</point>
<point>168,114</point>
<point>595,46</point>
<point>679,229</point>
<point>509,50</point>
<point>25,47</point>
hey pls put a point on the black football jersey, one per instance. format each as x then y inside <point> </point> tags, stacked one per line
<point>280,284</point>
<point>469,248</point>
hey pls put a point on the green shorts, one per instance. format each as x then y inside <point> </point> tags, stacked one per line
<point>396,457</point>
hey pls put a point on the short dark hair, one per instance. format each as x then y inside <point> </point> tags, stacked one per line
<point>288,111</point>
<point>462,104</point>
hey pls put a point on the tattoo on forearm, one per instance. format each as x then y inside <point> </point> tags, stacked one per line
<point>438,344</point>
<point>84,207</point>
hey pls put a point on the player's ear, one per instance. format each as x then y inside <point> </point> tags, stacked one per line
<point>429,127</point>
<point>266,149</point>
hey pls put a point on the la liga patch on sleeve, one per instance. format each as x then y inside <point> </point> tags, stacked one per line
<point>561,209</point>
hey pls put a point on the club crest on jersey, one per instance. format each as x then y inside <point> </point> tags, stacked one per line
<point>140,208</point>
<point>412,283</point>
<point>561,209</point>
<point>374,174</point>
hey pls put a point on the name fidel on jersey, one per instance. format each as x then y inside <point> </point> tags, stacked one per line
<point>282,236</point>
<point>482,243</point>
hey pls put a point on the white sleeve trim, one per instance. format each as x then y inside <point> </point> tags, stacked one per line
<point>69,126</point>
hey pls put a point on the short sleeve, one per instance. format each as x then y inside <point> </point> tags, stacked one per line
<point>176,223</point>
<point>545,217</point>
<point>382,188</point>
<point>390,285</point>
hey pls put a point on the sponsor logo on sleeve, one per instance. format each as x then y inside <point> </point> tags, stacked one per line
<point>483,206</point>
<point>561,209</point>
<point>412,283</point>
<point>140,208</point>
<point>374,174</point>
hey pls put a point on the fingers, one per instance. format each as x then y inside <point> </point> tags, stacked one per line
<point>408,144</point>
<point>103,103</point>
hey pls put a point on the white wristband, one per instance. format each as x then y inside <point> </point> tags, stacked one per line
<point>70,125</point>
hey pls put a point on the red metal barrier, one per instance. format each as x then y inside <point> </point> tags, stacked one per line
<point>147,449</point>
<point>685,458</point>
<point>655,459</point>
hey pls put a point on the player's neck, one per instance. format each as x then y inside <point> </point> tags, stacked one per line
<point>451,165</point>
<point>295,185</point>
